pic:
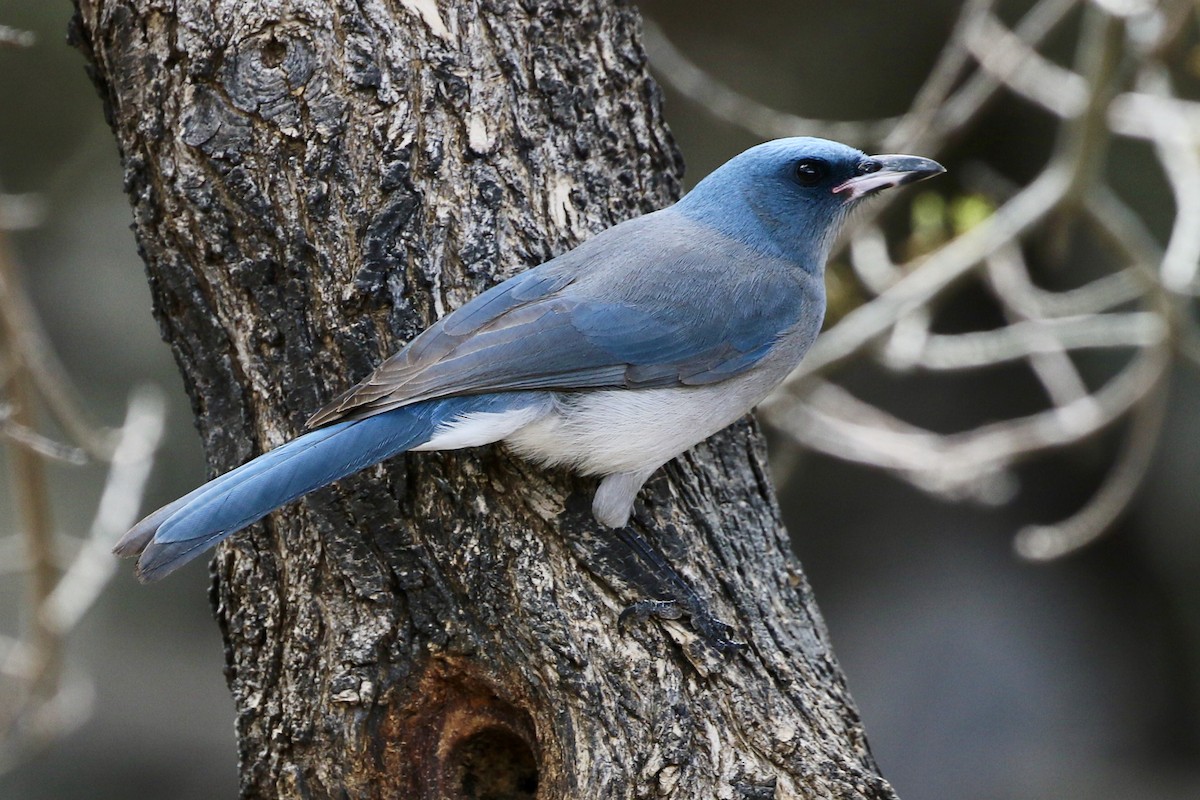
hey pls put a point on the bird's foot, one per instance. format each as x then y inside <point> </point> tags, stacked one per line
<point>643,610</point>
<point>716,633</point>
<point>676,598</point>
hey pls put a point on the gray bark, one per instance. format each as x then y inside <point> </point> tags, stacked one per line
<point>312,184</point>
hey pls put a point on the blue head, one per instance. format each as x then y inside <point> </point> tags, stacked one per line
<point>789,197</point>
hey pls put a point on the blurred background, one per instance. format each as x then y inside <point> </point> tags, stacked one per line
<point>983,671</point>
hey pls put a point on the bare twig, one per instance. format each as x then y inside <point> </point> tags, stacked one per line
<point>961,464</point>
<point>1178,145</point>
<point>680,73</point>
<point>1047,542</point>
<point>1011,282</point>
<point>20,326</point>
<point>932,95</point>
<point>39,699</point>
<point>21,211</point>
<point>120,502</point>
<point>14,37</point>
<point>964,105</point>
<point>1042,326</point>
<point>1009,279</point>
<point>1003,54</point>
<point>869,257</point>
<point>32,500</point>
<point>1026,338</point>
<point>36,704</point>
<point>31,439</point>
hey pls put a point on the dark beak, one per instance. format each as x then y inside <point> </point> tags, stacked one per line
<point>887,171</point>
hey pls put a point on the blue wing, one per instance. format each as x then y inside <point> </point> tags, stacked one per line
<point>640,306</point>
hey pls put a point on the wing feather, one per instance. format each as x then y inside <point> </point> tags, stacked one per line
<point>677,316</point>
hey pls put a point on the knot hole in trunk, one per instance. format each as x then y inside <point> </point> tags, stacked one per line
<point>457,739</point>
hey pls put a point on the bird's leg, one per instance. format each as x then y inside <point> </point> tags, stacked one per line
<point>670,595</point>
<point>676,598</point>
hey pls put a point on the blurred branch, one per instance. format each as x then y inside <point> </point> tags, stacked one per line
<point>32,440</point>
<point>1008,276</point>
<point>937,112</point>
<point>872,264</point>
<point>36,703</point>
<point>1046,542</point>
<point>14,37</point>
<point>959,465</point>
<point>931,97</point>
<point>1178,145</point>
<point>1007,58</point>
<point>29,491</point>
<point>1010,280</point>
<point>1027,338</point>
<point>680,73</point>
<point>1041,327</point>
<point>21,328</point>
<point>962,107</point>
<point>21,211</point>
<point>120,502</point>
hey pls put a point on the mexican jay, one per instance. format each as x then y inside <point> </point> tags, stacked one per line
<point>612,358</point>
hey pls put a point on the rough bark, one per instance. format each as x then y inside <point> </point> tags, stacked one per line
<point>313,183</point>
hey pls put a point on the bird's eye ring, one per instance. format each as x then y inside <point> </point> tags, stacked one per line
<point>811,171</point>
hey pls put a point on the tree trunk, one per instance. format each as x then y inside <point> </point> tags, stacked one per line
<point>312,184</point>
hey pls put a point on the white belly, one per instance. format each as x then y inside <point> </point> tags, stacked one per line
<point>613,431</point>
<point>606,432</point>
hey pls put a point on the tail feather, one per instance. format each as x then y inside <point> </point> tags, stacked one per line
<point>182,530</point>
<point>139,536</point>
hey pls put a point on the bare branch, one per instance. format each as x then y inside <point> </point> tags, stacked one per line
<point>1031,337</point>
<point>93,565</point>
<point>42,445</point>
<point>972,464</point>
<point>680,73</point>
<point>21,328</point>
<point>1009,279</point>
<point>21,211</point>
<point>31,497</point>
<point>870,260</point>
<point>833,421</point>
<point>1144,115</point>
<point>1004,55</point>
<point>1178,146</point>
<point>1047,542</point>
<point>932,95</point>
<point>14,37</point>
<point>961,108</point>
<point>1114,220</point>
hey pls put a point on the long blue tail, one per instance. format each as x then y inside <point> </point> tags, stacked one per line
<point>182,530</point>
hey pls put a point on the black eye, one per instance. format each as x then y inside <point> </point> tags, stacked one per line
<point>811,171</point>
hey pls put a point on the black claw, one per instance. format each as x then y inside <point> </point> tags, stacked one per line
<point>717,633</point>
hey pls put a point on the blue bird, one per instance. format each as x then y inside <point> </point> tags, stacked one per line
<point>612,358</point>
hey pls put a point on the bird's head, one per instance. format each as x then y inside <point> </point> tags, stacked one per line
<point>791,196</point>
